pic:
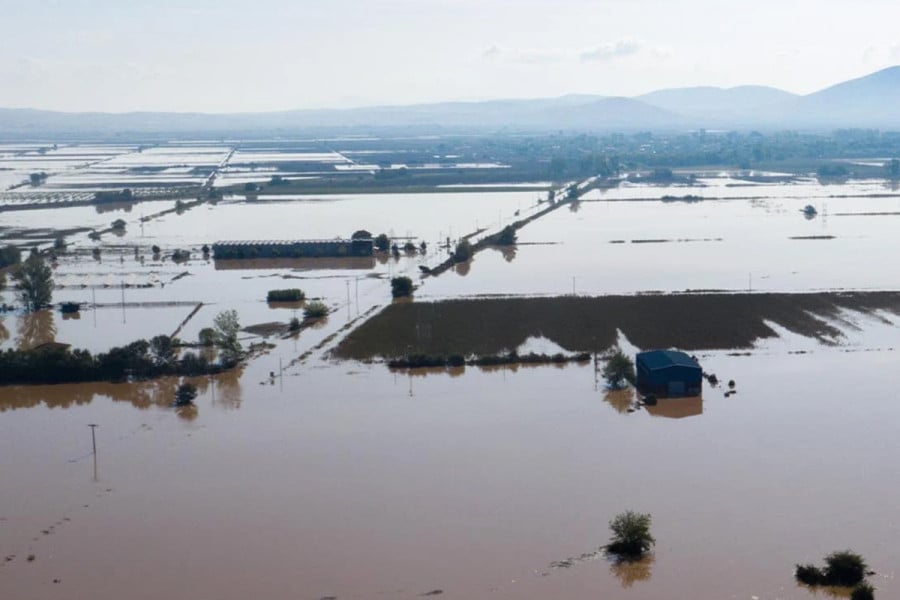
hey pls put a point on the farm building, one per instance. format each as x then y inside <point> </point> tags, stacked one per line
<point>668,373</point>
<point>292,249</point>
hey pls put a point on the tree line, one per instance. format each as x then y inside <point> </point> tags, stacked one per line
<point>141,359</point>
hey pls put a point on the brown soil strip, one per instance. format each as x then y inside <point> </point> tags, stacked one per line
<point>487,326</point>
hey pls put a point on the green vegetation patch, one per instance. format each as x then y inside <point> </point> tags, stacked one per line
<point>288,295</point>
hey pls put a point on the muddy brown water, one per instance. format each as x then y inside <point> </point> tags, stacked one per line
<point>347,480</point>
<point>355,482</point>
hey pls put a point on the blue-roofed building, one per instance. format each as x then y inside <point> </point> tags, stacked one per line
<point>668,373</point>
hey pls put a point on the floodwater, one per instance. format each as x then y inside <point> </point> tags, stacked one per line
<point>350,481</point>
<point>619,245</point>
<point>354,482</point>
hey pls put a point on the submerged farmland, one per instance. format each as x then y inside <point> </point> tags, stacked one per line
<point>345,479</point>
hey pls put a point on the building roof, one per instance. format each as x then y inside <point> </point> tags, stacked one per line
<point>662,359</point>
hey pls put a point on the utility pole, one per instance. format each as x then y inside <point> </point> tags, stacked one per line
<point>93,427</point>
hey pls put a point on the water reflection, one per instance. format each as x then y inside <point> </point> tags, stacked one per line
<point>357,263</point>
<point>225,389</point>
<point>677,408</point>
<point>105,207</point>
<point>622,400</point>
<point>827,591</point>
<point>187,413</point>
<point>628,572</point>
<point>35,328</point>
<point>508,252</point>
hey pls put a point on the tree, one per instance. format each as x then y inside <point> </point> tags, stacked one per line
<point>119,224</point>
<point>185,394</point>
<point>35,282</point>
<point>618,368</point>
<point>507,237</point>
<point>361,234</point>
<point>207,337</point>
<point>227,327</point>
<point>9,255</point>
<point>401,287</point>
<point>382,242</point>
<point>162,349</point>
<point>315,310</point>
<point>863,591</point>
<point>462,252</point>
<point>844,568</point>
<point>631,535</point>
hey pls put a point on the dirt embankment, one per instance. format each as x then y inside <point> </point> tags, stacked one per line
<point>688,321</point>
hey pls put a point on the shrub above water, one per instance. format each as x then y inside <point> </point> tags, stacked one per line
<point>288,295</point>
<point>315,310</point>
<point>631,535</point>
<point>863,591</point>
<point>842,569</point>
<point>401,286</point>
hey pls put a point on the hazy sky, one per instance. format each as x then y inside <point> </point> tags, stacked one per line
<point>226,55</point>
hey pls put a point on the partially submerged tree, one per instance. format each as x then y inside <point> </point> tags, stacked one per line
<point>507,237</point>
<point>618,369</point>
<point>227,327</point>
<point>382,242</point>
<point>207,337</point>
<point>631,537</point>
<point>162,349</point>
<point>863,591</point>
<point>10,255</point>
<point>842,569</point>
<point>315,310</point>
<point>463,251</point>
<point>35,282</point>
<point>401,287</point>
<point>185,394</point>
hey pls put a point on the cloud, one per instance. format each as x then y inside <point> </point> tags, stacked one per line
<point>606,52</point>
<point>619,49</point>
<point>525,55</point>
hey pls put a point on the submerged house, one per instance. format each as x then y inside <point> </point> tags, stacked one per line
<point>668,373</point>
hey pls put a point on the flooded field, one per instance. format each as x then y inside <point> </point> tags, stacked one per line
<point>397,486</point>
<point>301,475</point>
<point>618,244</point>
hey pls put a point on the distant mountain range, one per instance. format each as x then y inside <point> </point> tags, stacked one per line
<point>870,101</point>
